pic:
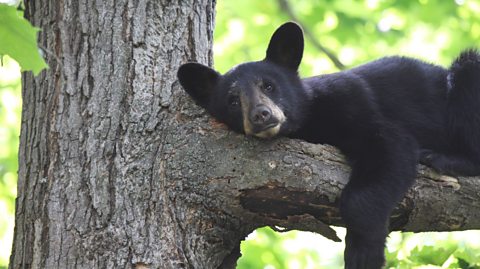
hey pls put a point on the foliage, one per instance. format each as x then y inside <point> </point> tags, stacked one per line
<point>356,31</point>
<point>10,108</point>
<point>267,249</point>
<point>437,250</point>
<point>18,39</point>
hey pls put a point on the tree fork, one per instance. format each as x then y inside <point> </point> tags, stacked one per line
<point>118,168</point>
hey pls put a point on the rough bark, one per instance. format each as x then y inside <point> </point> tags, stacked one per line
<point>118,168</point>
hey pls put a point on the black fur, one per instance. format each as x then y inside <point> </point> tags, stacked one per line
<point>384,116</point>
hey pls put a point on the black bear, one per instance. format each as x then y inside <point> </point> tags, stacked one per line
<point>385,116</point>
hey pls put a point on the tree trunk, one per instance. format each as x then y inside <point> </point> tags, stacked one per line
<point>119,169</point>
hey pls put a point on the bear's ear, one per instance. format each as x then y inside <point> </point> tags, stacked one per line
<point>286,46</point>
<point>198,81</point>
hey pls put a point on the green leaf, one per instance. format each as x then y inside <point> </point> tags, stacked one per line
<point>18,40</point>
<point>432,255</point>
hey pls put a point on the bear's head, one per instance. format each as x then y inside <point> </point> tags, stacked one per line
<point>262,98</point>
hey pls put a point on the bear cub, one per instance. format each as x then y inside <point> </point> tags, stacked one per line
<point>385,116</point>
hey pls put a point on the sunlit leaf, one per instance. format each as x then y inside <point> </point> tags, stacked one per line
<point>18,40</point>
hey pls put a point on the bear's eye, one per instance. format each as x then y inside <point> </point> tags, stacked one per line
<point>233,100</point>
<point>268,87</point>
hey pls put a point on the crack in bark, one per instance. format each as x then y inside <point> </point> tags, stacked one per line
<point>277,201</point>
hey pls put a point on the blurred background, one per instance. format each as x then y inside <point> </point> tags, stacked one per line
<point>339,34</point>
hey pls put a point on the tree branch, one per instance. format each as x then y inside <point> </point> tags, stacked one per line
<point>285,6</point>
<point>296,185</point>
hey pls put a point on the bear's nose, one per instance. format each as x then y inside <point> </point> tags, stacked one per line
<point>260,114</point>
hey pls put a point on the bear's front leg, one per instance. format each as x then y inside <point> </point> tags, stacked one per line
<point>366,218</point>
<point>381,175</point>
